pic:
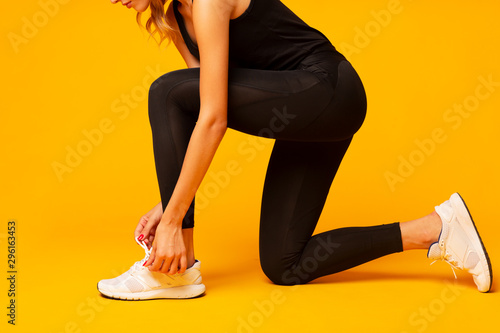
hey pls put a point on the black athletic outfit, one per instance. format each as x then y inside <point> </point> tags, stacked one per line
<point>287,82</point>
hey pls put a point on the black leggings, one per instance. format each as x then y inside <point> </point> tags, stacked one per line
<point>312,112</point>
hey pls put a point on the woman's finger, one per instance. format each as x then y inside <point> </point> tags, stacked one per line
<point>140,226</point>
<point>174,266</point>
<point>167,261</point>
<point>151,258</point>
<point>147,229</point>
<point>151,238</point>
<point>183,263</point>
<point>156,264</point>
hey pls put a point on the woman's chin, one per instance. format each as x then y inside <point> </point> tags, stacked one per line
<point>141,10</point>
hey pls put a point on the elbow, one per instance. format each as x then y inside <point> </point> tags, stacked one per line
<point>219,128</point>
<point>216,126</point>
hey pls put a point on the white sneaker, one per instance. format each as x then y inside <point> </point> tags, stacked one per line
<point>459,243</point>
<point>139,283</point>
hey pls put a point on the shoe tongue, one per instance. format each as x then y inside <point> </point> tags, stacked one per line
<point>434,252</point>
<point>138,264</point>
<point>444,210</point>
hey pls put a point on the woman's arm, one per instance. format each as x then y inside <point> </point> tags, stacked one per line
<point>148,222</point>
<point>211,24</point>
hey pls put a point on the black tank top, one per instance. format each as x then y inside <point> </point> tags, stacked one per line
<point>267,35</point>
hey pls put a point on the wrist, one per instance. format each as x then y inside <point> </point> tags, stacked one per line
<point>171,221</point>
<point>174,213</point>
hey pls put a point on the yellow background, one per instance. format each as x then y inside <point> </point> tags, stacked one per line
<point>71,74</point>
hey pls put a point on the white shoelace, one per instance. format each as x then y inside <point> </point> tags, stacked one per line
<point>138,264</point>
<point>447,258</point>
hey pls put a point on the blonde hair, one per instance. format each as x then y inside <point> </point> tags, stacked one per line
<point>158,23</point>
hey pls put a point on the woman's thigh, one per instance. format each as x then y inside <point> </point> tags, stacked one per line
<point>296,105</point>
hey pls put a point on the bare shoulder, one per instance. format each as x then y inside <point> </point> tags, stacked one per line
<point>231,7</point>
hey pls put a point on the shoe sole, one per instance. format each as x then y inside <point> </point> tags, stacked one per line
<point>469,227</point>
<point>188,291</point>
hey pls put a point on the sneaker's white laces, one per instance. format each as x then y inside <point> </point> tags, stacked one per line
<point>447,258</point>
<point>139,264</point>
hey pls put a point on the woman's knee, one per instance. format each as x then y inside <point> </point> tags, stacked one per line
<point>178,87</point>
<point>279,272</point>
<point>162,85</point>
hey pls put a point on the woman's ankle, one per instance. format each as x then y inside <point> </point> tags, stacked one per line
<point>421,233</point>
<point>190,261</point>
<point>433,228</point>
<point>187,235</point>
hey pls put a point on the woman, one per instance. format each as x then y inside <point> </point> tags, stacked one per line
<point>254,66</point>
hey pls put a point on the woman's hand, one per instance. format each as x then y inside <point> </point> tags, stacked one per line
<point>148,223</point>
<point>168,254</point>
